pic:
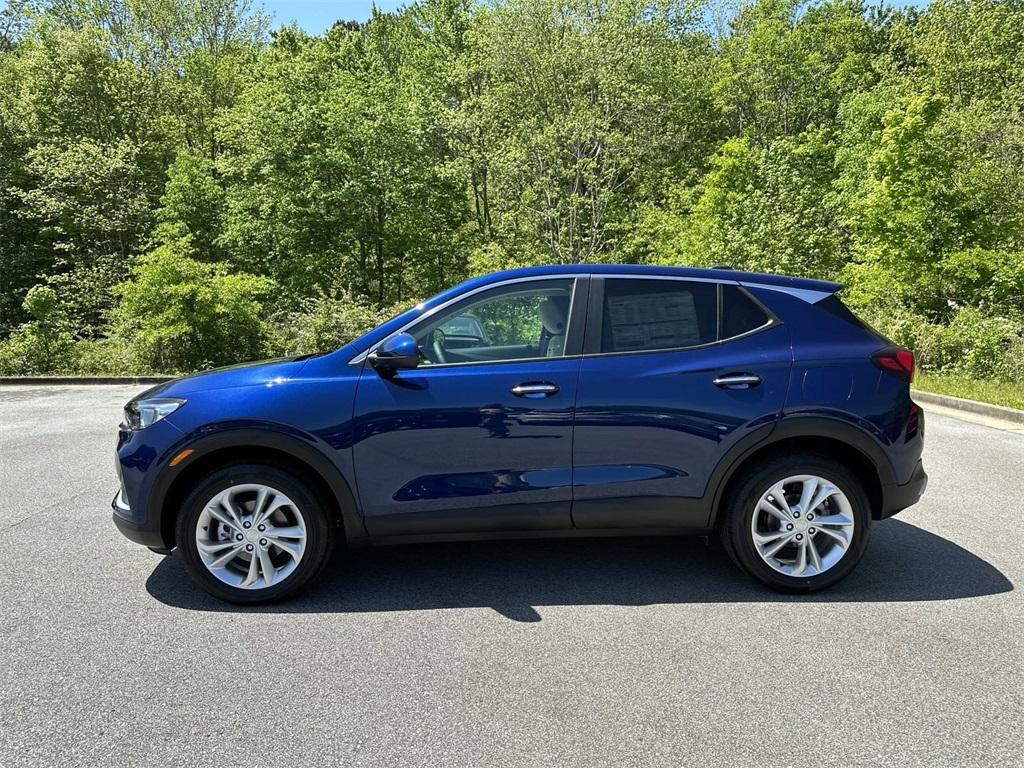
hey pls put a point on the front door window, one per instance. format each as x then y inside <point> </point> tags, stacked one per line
<point>519,321</point>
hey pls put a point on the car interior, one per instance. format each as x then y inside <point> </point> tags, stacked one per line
<point>511,326</point>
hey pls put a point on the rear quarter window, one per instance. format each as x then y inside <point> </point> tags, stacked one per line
<point>740,313</point>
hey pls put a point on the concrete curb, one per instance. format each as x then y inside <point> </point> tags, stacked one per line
<point>64,380</point>
<point>971,406</point>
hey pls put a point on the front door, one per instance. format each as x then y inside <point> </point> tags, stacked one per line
<point>478,438</point>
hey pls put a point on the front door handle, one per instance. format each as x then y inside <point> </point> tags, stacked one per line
<point>535,389</point>
<point>737,381</point>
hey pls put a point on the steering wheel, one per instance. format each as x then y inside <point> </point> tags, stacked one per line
<point>437,345</point>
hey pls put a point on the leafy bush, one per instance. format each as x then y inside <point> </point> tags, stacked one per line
<point>107,357</point>
<point>180,314</point>
<point>973,343</point>
<point>43,345</point>
<point>988,278</point>
<point>324,323</point>
<point>84,295</point>
<point>976,345</point>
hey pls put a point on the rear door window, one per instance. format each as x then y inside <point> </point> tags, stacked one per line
<point>641,314</point>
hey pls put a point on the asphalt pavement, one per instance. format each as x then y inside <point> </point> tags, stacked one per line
<point>595,652</point>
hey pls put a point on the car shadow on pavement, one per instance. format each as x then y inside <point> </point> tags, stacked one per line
<point>903,563</point>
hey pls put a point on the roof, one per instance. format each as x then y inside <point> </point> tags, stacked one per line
<point>731,275</point>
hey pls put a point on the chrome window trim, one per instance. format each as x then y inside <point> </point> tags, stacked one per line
<point>359,358</point>
<point>634,276</point>
<point>438,366</point>
<point>770,324</point>
<point>772,321</point>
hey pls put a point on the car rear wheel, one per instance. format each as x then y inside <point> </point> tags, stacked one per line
<point>798,523</point>
<point>253,534</point>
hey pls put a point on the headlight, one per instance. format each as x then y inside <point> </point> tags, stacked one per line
<point>139,414</point>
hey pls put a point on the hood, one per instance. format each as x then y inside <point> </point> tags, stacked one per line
<point>241,375</point>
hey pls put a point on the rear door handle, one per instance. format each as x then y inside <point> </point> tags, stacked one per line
<point>737,381</point>
<point>535,389</point>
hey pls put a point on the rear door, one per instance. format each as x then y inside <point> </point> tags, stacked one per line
<point>674,373</point>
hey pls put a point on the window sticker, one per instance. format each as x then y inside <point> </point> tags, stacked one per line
<point>653,321</point>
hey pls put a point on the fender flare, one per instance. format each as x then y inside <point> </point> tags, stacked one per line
<point>799,426</point>
<point>301,449</point>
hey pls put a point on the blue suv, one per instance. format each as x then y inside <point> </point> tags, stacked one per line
<point>549,401</point>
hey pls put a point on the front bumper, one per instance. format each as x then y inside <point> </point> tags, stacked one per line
<point>899,497</point>
<point>138,458</point>
<point>140,533</point>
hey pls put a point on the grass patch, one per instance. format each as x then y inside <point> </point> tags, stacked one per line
<point>995,392</point>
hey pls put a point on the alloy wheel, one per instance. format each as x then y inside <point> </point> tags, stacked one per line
<point>802,525</point>
<point>251,536</point>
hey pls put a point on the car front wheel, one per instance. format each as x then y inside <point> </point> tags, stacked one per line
<point>253,534</point>
<point>798,523</point>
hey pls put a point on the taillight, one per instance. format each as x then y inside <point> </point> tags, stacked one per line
<point>898,361</point>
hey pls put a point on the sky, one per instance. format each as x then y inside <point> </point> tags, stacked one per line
<point>315,16</point>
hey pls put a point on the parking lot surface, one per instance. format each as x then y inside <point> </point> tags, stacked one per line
<point>531,653</point>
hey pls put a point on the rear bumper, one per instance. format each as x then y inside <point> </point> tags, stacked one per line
<point>899,497</point>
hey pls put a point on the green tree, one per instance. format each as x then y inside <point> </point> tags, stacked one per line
<point>332,181</point>
<point>192,205</point>
<point>768,208</point>
<point>582,101</point>
<point>181,314</point>
<point>788,65</point>
<point>165,144</point>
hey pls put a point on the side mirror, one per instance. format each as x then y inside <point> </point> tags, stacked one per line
<point>394,353</point>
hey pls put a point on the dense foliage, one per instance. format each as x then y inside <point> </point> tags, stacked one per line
<point>181,187</point>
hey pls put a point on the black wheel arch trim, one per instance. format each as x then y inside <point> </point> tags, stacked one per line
<point>243,438</point>
<point>793,427</point>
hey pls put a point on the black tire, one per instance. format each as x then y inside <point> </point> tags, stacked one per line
<point>740,505</point>
<point>319,532</point>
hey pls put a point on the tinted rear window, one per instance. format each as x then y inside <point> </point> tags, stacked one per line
<point>740,313</point>
<point>658,314</point>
